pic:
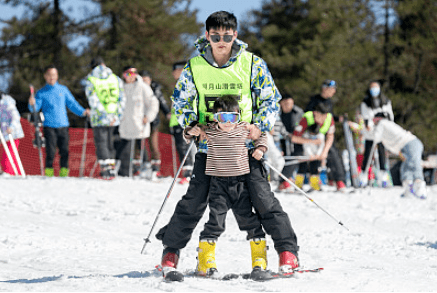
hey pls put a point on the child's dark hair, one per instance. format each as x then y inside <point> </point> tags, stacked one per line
<point>227,103</point>
<point>221,19</point>
<point>322,108</point>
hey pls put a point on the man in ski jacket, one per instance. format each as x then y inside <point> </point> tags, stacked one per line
<point>224,67</point>
<point>53,100</point>
<point>106,98</point>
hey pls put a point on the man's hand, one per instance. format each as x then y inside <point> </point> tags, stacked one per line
<point>197,131</point>
<point>254,131</point>
<point>86,112</point>
<point>257,154</point>
<point>145,120</point>
<point>9,130</point>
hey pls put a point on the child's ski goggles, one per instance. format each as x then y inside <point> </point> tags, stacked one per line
<point>224,117</point>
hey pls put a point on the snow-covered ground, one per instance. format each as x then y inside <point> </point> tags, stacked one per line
<point>86,235</point>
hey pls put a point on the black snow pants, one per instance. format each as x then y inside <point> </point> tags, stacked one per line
<point>190,209</point>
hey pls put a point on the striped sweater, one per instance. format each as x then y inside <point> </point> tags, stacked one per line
<point>227,151</point>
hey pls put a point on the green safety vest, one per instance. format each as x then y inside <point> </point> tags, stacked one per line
<point>107,91</point>
<point>213,82</point>
<point>326,124</point>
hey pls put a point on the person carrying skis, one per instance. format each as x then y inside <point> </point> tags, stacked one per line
<point>374,103</point>
<point>334,161</point>
<point>320,127</point>
<point>227,163</point>
<point>106,98</point>
<point>155,159</point>
<point>405,144</point>
<point>53,100</point>
<point>205,78</point>
<point>9,124</point>
<point>140,109</point>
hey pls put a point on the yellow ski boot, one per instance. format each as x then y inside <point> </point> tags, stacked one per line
<point>299,180</point>
<point>206,265</point>
<point>259,253</point>
<point>315,182</point>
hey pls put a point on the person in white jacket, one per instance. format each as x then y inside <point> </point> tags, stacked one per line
<point>403,143</point>
<point>140,110</point>
<point>374,103</point>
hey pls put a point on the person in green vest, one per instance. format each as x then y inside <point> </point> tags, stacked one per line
<point>224,67</point>
<point>316,128</point>
<point>106,99</point>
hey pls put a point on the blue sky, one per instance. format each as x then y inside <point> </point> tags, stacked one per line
<point>237,7</point>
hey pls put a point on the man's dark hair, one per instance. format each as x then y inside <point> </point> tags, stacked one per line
<point>128,67</point>
<point>286,96</point>
<point>179,64</point>
<point>227,103</point>
<point>51,66</point>
<point>221,19</point>
<point>144,73</point>
<point>96,61</point>
<point>321,108</point>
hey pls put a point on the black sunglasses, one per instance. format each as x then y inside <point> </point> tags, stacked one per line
<point>226,38</point>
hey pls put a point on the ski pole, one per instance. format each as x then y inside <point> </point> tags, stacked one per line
<point>83,156</point>
<point>131,157</point>
<point>147,240</point>
<point>303,192</point>
<point>296,157</point>
<point>369,161</point>
<point>17,156</point>
<point>8,153</point>
<point>38,139</point>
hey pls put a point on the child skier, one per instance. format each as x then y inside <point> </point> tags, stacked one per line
<point>228,164</point>
<point>321,124</point>
<point>399,141</point>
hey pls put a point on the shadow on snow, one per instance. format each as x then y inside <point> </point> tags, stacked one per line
<point>133,274</point>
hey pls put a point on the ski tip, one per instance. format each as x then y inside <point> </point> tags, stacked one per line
<point>174,276</point>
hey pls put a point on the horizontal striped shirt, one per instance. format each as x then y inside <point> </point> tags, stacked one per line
<point>227,151</point>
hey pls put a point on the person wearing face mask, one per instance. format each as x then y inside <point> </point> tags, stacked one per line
<point>375,103</point>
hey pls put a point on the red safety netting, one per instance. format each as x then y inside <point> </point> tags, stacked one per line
<point>30,159</point>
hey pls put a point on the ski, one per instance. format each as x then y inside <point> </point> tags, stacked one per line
<point>39,141</point>
<point>255,275</point>
<point>353,166</point>
<point>171,276</point>
<point>174,276</point>
<point>277,275</point>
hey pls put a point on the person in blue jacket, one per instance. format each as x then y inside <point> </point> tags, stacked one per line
<point>53,100</point>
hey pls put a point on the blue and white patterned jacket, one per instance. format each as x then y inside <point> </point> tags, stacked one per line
<point>262,87</point>
<point>10,118</point>
<point>98,114</point>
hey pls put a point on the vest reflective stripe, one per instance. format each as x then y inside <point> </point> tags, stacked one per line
<point>107,91</point>
<point>326,124</point>
<point>213,82</point>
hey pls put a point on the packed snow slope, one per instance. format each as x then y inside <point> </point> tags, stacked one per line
<point>72,234</point>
